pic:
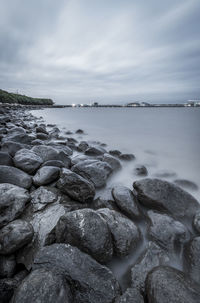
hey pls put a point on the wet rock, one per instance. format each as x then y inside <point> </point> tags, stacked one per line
<point>7,266</point>
<point>167,232</point>
<point>140,170</point>
<point>90,281</point>
<point>153,256</point>
<point>12,202</point>
<point>77,187</point>
<point>5,159</point>
<point>93,170</point>
<point>55,163</point>
<point>165,174</point>
<point>42,196</point>
<point>105,200</point>
<point>27,160</point>
<point>95,151</point>
<point>12,147</point>
<point>41,129</point>
<point>79,131</point>
<point>196,222</point>
<point>15,176</point>
<point>86,230</point>
<point>45,175</point>
<point>166,284</point>
<point>42,285</point>
<point>125,233</point>
<point>7,288</point>
<point>49,153</point>
<point>186,184</point>
<point>115,153</point>
<point>79,158</point>
<point>37,142</point>
<point>112,161</point>
<point>83,145</point>
<point>15,235</point>
<point>3,130</point>
<point>42,136</point>
<point>192,253</point>
<point>166,197</point>
<point>16,130</point>
<point>126,200</point>
<point>127,157</point>
<point>22,138</point>
<point>131,295</point>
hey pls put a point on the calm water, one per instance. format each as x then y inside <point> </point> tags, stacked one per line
<point>161,138</point>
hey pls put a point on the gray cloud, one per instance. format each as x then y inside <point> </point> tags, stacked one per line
<point>109,51</point>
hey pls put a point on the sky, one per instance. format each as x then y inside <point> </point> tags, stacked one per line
<point>106,51</point>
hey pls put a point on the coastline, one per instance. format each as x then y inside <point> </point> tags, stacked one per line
<point>58,207</point>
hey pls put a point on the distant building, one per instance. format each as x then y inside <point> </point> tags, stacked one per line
<point>145,104</point>
<point>95,104</point>
<point>133,104</point>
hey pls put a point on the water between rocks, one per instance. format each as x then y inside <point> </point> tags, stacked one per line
<point>165,140</point>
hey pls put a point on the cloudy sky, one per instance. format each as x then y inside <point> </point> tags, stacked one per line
<point>109,51</point>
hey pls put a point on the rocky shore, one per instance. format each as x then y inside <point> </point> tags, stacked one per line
<point>58,233</point>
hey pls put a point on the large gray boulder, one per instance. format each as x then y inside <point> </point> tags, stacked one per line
<point>192,257</point>
<point>13,200</point>
<point>166,232</point>
<point>15,176</point>
<point>7,266</point>
<point>93,170</point>
<point>75,186</point>
<point>12,147</point>
<point>125,233</point>
<point>112,161</point>
<point>153,256</point>
<point>105,200</point>
<point>95,151</point>
<point>46,175</point>
<point>43,286</point>
<point>27,160</point>
<point>166,197</point>
<point>126,200</point>
<point>49,153</point>
<point>42,197</point>
<point>14,236</point>
<point>166,284</point>
<point>86,230</point>
<point>90,281</point>
<point>5,159</point>
<point>22,138</point>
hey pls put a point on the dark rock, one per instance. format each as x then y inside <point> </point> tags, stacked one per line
<point>125,233</point>
<point>3,130</point>
<point>42,136</point>
<point>7,266</point>
<point>126,200</point>
<point>41,129</point>
<point>192,253</point>
<point>167,197</point>
<point>95,151</point>
<point>186,184</point>
<point>42,285</point>
<point>140,170</point>
<point>19,138</point>
<point>196,222</point>
<point>42,196</point>
<point>7,288</point>
<point>14,236</point>
<point>166,284</point>
<point>165,174</point>
<point>131,295</point>
<point>12,202</point>
<point>83,145</point>
<point>153,256</point>
<point>93,170</point>
<point>79,158</point>
<point>90,281</point>
<point>77,187</point>
<point>86,230</point>
<point>115,153</point>
<point>16,130</point>
<point>112,161</point>
<point>105,200</point>
<point>55,163</point>
<point>49,153</point>
<point>37,142</point>
<point>5,159</point>
<point>46,175</point>
<point>27,160</point>
<point>127,157</point>
<point>79,131</point>
<point>12,147</point>
<point>13,175</point>
<point>167,232</point>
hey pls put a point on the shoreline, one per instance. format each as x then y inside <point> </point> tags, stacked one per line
<point>59,217</point>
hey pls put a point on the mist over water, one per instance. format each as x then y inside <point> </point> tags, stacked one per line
<point>162,139</point>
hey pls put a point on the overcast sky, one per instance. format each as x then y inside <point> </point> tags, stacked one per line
<point>109,51</point>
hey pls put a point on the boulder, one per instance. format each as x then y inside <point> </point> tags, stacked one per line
<point>166,232</point>
<point>42,136</point>
<point>77,187</point>
<point>14,236</point>
<point>125,233</point>
<point>86,230</point>
<point>166,284</point>
<point>5,159</point>
<point>15,176</point>
<point>127,157</point>
<point>45,175</point>
<point>131,295</point>
<point>13,200</point>
<point>95,151</point>
<point>79,131</point>
<point>126,200</point>
<point>93,170</point>
<point>140,170</point>
<point>44,286</point>
<point>27,160</point>
<point>55,163</point>
<point>192,253</point>
<point>7,288</point>
<point>153,256</point>
<point>22,138</point>
<point>7,266</point>
<point>105,200</point>
<point>90,281</point>
<point>115,153</point>
<point>12,147</point>
<point>196,222</point>
<point>83,145</point>
<point>49,153</point>
<point>41,197</point>
<point>112,161</point>
<point>166,197</point>
<point>41,129</point>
